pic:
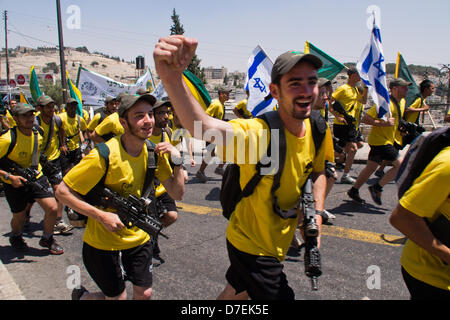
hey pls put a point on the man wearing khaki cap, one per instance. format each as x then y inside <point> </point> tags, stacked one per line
<point>20,146</point>
<point>53,142</point>
<point>108,245</point>
<point>258,236</point>
<point>216,110</point>
<point>381,139</point>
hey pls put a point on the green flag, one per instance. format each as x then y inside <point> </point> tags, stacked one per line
<point>34,85</point>
<point>197,89</point>
<point>402,71</point>
<point>331,67</point>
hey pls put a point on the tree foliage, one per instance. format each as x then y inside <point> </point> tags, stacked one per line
<point>177,28</point>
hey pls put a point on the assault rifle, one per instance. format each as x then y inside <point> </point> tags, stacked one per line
<point>311,232</point>
<point>143,213</point>
<point>29,174</point>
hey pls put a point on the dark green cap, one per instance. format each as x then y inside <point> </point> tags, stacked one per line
<point>129,100</point>
<point>285,62</point>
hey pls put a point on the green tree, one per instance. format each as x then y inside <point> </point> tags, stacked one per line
<point>194,66</point>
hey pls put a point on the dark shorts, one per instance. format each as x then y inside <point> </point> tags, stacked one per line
<point>53,171</point>
<point>261,276</point>
<point>19,198</point>
<point>423,291</point>
<point>379,153</point>
<point>70,159</point>
<point>110,269</point>
<point>344,134</point>
<point>168,202</point>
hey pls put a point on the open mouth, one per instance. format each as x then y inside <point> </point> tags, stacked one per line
<point>302,104</point>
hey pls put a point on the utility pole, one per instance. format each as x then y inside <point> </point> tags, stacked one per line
<point>5,16</point>
<point>61,52</point>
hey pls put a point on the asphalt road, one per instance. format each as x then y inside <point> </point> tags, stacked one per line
<point>360,252</point>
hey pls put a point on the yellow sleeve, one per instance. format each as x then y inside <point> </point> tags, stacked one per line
<point>163,168</point>
<point>431,189</point>
<point>94,122</point>
<point>5,141</point>
<point>86,174</point>
<point>107,126</point>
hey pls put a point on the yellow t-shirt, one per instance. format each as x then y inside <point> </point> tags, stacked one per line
<point>216,109</point>
<point>428,197</point>
<point>242,105</point>
<point>72,128</point>
<point>22,153</point>
<point>413,116</point>
<point>126,175</point>
<point>53,151</point>
<point>159,188</point>
<point>348,96</point>
<point>253,227</point>
<point>380,136</point>
<point>110,124</point>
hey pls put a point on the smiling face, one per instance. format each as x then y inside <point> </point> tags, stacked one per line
<point>297,91</point>
<point>138,120</point>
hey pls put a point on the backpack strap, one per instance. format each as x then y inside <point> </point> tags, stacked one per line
<point>152,162</point>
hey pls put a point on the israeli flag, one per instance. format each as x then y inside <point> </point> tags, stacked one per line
<point>257,83</point>
<point>372,70</point>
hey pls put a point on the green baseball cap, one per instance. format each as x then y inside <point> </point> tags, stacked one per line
<point>129,100</point>
<point>286,61</point>
<point>44,100</point>
<point>22,108</point>
<point>398,82</point>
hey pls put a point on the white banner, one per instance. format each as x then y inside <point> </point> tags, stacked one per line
<point>95,87</point>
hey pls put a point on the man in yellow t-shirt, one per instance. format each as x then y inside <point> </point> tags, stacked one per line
<point>111,105</point>
<point>425,259</point>
<point>74,127</point>
<point>240,110</point>
<point>447,116</point>
<point>413,111</point>
<point>257,237</point>
<point>352,100</point>
<point>381,140</point>
<point>53,142</point>
<point>162,133</point>
<point>18,194</point>
<point>109,128</point>
<point>215,110</point>
<point>107,243</point>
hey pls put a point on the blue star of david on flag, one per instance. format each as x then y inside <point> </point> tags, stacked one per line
<point>259,85</point>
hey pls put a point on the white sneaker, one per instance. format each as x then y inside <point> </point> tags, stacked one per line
<point>329,215</point>
<point>346,179</point>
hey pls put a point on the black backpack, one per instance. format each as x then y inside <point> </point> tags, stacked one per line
<point>419,155</point>
<point>231,193</point>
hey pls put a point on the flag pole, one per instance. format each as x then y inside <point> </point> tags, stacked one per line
<point>61,52</point>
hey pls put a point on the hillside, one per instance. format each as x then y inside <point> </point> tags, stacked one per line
<point>21,59</point>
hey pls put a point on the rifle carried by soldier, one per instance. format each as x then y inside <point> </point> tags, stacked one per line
<point>313,267</point>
